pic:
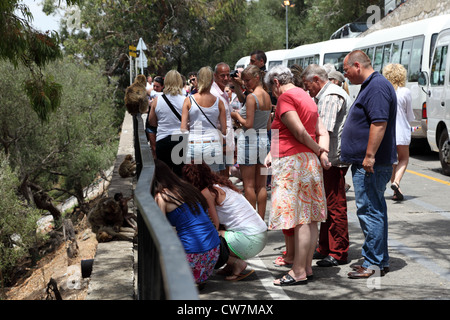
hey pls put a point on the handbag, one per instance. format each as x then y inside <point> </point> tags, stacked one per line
<point>171,107</point>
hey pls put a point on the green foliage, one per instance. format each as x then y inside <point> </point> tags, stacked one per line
<point>44,95</point>
<point>17,221</point>
<point>77,142</point>
<point>20,43</point>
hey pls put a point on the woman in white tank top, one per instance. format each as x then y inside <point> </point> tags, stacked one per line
<point>165,123</point>
<point>202,114</point>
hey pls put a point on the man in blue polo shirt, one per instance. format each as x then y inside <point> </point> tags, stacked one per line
<point>368,143</point>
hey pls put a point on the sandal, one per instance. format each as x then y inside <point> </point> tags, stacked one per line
<point>280,262</point>
<point>398,196</point>
<point>240,276</point>
<point>288,280</point>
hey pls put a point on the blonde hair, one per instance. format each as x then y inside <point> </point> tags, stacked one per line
<point>254,71</point>
<point>205,78</point>
<point>396,74</point>
<point>173,83</point>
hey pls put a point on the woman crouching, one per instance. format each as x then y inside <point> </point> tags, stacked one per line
<point>185,208</point>
<point>245,231</point>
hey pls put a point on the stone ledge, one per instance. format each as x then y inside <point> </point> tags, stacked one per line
<point>113,276</point>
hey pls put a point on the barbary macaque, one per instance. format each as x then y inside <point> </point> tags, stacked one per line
<point>136,99</point>
<point>128,167</point>
<point>106,219</point>
<point>129,217</point>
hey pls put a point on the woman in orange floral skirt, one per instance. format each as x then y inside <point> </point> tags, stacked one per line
<point>299,151</point>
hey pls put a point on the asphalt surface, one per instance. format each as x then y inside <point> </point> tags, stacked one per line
<point>419,237</point>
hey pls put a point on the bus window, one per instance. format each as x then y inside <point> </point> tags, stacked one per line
<point>437,70</point>
<point>432,45</point>
<point>386,54</point>
<point>415,66</point>
<point>336,59</point>
<point>406,53</point>
<point>378,59</point>
<point>395,53</point>
<point>370,53</point>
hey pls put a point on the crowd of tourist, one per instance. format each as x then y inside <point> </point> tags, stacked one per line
<point>292,131</point>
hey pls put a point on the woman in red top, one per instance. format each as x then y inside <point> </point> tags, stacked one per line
<point>299,150</point>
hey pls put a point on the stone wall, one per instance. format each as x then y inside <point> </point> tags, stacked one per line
<point>410,11</point>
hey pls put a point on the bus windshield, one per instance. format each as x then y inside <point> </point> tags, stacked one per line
<point>336,59</point>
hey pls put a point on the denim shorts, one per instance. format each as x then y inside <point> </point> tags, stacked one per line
<point>252,147</point>
<point>209,152</point>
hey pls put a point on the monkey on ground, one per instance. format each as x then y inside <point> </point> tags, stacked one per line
<point>128,217</point>
<point>105,219</point>
<point>136,99</point>
<point>128,167</point>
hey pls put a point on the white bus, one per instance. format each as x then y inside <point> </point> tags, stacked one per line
<point>242,63</point>
<point>274,57</point>
<point>331,51</point>
<point>411,45</point>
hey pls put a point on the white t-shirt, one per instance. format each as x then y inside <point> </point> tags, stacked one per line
<point>237,214</point>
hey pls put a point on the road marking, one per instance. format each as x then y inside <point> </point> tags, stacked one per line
<point>266,278</point>
<point>428,177</point>
<point>409,252</point>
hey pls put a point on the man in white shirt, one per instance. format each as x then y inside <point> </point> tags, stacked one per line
<point>221,79</point>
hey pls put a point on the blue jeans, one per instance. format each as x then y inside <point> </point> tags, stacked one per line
<point>372,212</point>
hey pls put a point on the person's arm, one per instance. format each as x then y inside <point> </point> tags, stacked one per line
<point>211,207</point>
<point>376,134</point>
<point>153,123</point>
<point>323,140</point>
<point>248,121</point>
<point>160,202</point>
<point>291,120</point>
<point>185,115</point>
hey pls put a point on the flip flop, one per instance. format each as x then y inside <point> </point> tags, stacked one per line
<point>398,196</point>
<point>280,262</point>
<point>240,276</point>
<point>288,280</point>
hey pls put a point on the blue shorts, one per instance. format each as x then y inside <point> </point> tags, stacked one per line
<point>252,147</point>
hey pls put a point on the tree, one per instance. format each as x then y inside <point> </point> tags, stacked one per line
<point>21,44</point>
<point>17,221</point>
<point>184,34</point>
<point>67,153</point>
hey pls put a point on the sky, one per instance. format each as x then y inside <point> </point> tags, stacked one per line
<point>41,21</point>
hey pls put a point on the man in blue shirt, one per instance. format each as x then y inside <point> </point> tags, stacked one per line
<point>368,143</point>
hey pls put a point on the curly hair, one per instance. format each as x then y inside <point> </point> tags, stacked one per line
<point>396,74</point>
<point>201,177</point>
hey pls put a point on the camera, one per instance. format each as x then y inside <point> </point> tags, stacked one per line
<point>234,74</point>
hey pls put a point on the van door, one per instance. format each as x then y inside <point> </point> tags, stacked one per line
<point>438,102</point>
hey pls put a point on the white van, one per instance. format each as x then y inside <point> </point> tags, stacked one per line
<point>438,99</point>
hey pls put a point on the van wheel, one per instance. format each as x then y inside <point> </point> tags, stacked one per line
<point>444,152</point>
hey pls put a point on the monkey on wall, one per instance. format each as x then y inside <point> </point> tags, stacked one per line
<point>136,99</point>
<point>105,219</point>
<point>128,167</point>
<point>129,218</point>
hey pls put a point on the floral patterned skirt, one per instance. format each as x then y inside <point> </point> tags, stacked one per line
<point>298,193</point>
<point>202,264</point>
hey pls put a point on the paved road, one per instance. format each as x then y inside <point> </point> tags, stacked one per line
<point>419,238</point>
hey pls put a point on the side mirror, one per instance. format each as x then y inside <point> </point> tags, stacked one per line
<point>423,79</point>
<point>423,82</point>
